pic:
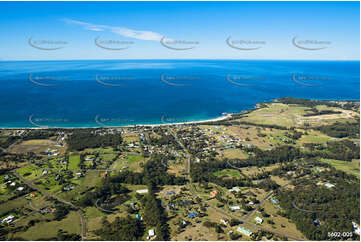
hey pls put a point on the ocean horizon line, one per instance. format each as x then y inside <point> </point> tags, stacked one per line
<point>200,59</point>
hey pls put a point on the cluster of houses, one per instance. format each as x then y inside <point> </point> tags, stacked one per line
<point>8,219</point>
<point>12,184</point>
<point>326,184</point>
<point>52,152</point>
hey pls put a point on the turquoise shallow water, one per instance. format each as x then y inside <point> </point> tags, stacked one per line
<point>121,92</point>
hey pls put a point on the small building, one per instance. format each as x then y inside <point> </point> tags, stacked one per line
<point>142,191</point>
<point>104,175</point>
<point>214,193</point>
<point>224,221</point>
<point>244,231</point>
<point>329,185</point>
<point>151,233</point>
<point>13,184</point>
<point>20,189</point>
<point>138,216</point>
<point>234,208</point>
<point>356,228</point>
<point>275,201</point>
<point>235,189</point>
<point>258,220</point>
<point>8,219</point>
<point>32,195</point>
<point>170,193</point>
<point>316,222</point>
<point>192,214</point>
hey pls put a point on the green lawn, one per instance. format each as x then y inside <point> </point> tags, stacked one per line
<point>134,158</point>
<point>71,224</point>
<point>348,167</point>
<point>74,161</point>
<point>230,172</point>
<point>30,172</point>
<point>108,157</point>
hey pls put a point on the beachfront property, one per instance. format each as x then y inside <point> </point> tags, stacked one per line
<point>244,231</point>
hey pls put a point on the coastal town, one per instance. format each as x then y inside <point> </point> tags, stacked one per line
<point>285,170</point>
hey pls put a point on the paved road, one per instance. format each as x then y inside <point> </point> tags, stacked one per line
<point>30,184</point>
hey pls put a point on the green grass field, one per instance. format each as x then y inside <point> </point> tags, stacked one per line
<point>229,172</point>
<point>276,114</point>
<point>134,158</point>
<point>348,167</point>
<point>74,161</point>
<point>71,224</point>
<point>30,172</point>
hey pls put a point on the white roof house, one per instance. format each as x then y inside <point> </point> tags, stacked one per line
<point>141,191</point>
<point>233,208</point>
<point>20,188</point>
<point>329,185</point>
<point>244,231</point>
<point>223,221</point>
<point>235,189</point>
<point>356,228</point>
<point>151,232</point>
<point>258,220</point>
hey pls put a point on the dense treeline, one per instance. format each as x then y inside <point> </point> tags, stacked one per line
<point>105,190</point>
<point>341,130</point>
<point>312,103</point>
<point>121,229</point>
<point>154,174</point>
<point>203,172</point>
<point>339,150</point>
<point>82,139</point>
<point>277,155</point>
<point>5,142</point>
<point>316,112</point>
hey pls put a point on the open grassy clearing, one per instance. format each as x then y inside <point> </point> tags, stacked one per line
<point>228,172</point>
<point>349,167</point>
<point>71,224</point>
<point>287,228</point>
<point>234,154</point>
<point>253,170</point>
<point>74,161</point>
<point>30,172</point>
<point>276,114</point>
<point>37,146</point>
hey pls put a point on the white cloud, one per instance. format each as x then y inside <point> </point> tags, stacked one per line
<point>125,32</point>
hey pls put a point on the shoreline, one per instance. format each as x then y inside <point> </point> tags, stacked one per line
<point>221,118</point>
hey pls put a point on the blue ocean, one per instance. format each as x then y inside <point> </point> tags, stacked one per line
<point>96,93</point>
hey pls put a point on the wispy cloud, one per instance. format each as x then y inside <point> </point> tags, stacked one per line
<point>125,32</point>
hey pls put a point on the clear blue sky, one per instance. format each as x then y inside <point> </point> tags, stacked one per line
<point>209,23</point>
